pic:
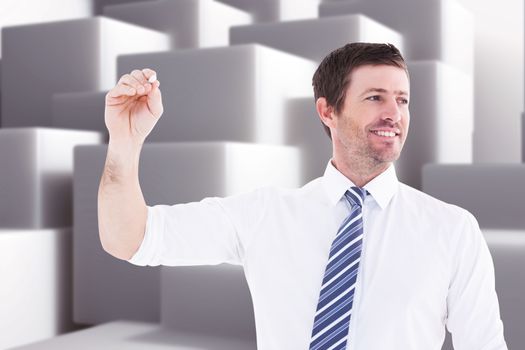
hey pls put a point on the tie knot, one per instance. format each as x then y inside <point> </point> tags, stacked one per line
<point>356,196</point>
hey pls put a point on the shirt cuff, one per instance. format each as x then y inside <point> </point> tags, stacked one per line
<point>147,252</point>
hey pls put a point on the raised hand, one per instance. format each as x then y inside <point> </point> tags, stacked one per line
<point>133,107</point>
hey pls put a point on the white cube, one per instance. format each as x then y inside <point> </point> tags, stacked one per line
<point>433,30</point>
<point>36,175</point>
<point>190,23</point>
<point>441,119</point>
<point>35,269</point>
<point>69,56</point>
<point>277,10</point>
<point>233,93</point>
<point>315,38</point>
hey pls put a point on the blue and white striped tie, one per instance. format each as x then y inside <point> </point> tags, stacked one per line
<point>332,318</point>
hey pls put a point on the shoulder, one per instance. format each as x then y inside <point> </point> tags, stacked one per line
<point>312,188</point>
<point>312,192</point>
<point>420,204</point>
<point>447,225</point>
<point>272,198</point>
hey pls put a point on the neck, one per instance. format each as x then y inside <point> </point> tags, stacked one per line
<point>360,174</point>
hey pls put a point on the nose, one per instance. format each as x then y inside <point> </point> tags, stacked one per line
<point>391,111</point>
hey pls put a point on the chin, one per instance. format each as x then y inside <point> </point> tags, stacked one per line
<point>391,152</point>
<point>386,158</point>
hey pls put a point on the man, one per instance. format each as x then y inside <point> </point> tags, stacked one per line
<point>352,260</point>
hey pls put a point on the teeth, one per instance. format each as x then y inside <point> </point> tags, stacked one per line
<point>385,133</point>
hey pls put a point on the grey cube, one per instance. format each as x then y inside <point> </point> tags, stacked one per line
<point>440,30</point>
<point>523,137</point>
<point>508,252</point>
<point>233,93</point>
<point>37,174</point>
<point>315,38</point>
<point>99,5</point>
<point>106,288</point>
<point>441,119</point>
<point>190,23</point>
<point>0,92</point>
<point>305,131</point>
<point>207,300</point>
<point>494,193</point>
<point>132,335</point>
<point>507,248</point>
<point>79,110</point>
<point>43,11</point>
<point>42,59</point>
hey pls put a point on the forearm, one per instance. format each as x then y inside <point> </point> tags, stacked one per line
<point>122,209</point>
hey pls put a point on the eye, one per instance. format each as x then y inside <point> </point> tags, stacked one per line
<point>403,101</point>
<point>374,98</point>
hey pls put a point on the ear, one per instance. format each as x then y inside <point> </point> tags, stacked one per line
<point>325,112</point>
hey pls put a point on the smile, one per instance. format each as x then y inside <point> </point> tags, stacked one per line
<point>385,133</point>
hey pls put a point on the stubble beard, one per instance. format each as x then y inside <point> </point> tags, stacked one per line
<point>381,156</point>
<point>362,155</point>
<point>368,158</point>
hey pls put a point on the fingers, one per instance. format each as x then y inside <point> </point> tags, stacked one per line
<point>138,82</point>
<point>139,76</point>
<point>145,76</point>
<point>134,81</point>
<point>121,90</point>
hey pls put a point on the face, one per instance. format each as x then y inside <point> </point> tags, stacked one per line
<point>373,123</point>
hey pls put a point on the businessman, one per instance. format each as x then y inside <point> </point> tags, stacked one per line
<point>354,259</point>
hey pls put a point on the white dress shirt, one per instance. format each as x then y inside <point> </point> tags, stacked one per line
<point>424,264</point>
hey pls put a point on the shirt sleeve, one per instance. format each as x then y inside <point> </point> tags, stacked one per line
<point>473,310</point>
<point>209,232</point>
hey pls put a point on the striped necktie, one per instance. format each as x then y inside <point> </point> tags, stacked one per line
<point>332,318</point>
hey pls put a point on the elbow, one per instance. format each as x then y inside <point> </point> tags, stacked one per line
<point>119,251</point>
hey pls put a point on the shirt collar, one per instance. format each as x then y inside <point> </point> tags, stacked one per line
<point>382,187</point>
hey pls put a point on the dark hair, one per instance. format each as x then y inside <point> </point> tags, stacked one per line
<point>332,77</point>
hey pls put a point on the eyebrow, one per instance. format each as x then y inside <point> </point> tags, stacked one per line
<point>397,92</point>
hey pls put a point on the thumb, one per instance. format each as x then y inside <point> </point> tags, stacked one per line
<point>155,100</point>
